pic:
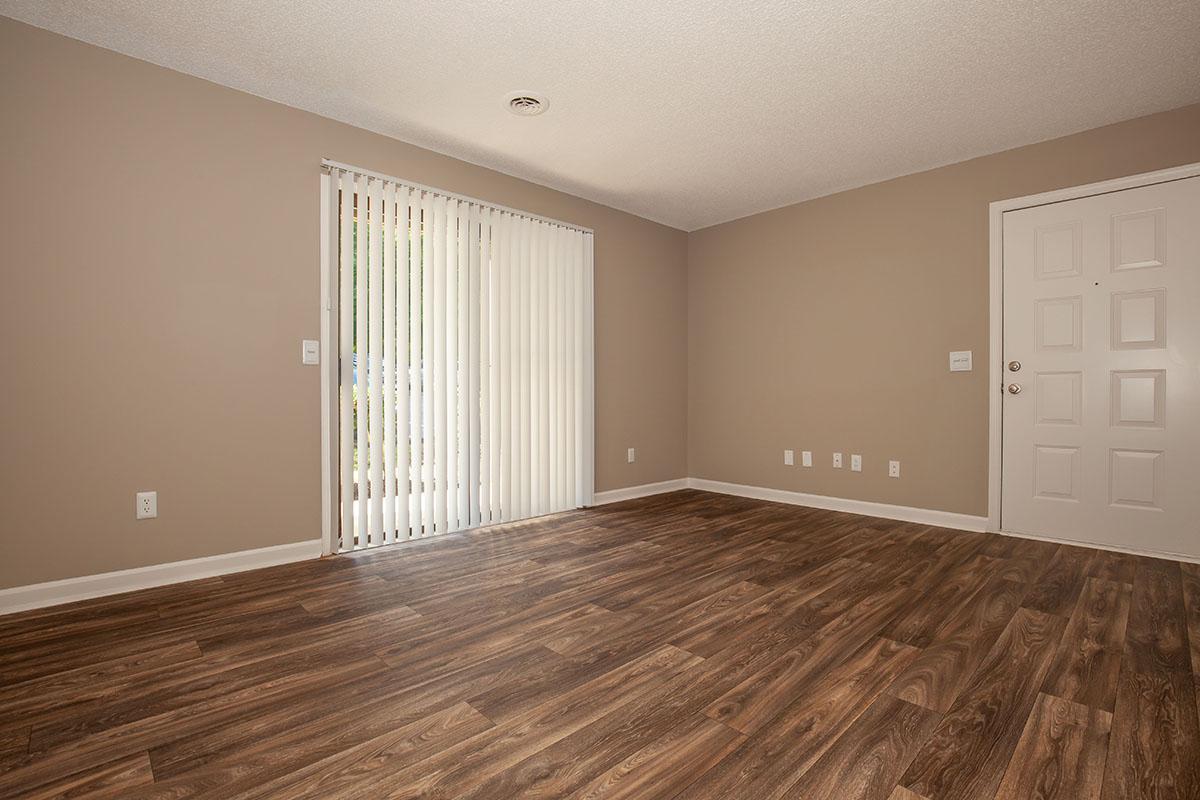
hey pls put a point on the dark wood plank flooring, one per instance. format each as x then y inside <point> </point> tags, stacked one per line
<point>688,646</point>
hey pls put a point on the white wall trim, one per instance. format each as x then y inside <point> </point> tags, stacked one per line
<point>70,590</point>
<point>645,490</point>
<point>996,311</point>
<point>1116,548</point>
<point>922,516</point>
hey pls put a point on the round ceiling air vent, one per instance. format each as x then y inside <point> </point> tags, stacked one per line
<point>527,104</point>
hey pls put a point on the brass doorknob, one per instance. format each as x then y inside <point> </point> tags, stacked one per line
<point>1014,388</point>
<point>1013,366</point>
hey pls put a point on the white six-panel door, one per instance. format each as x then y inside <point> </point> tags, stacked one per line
<point>1101,414</point>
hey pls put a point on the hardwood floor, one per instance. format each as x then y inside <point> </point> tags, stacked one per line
<point>688,645</point>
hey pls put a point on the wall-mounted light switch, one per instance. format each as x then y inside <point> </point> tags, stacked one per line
<point>960,361</point>
<point>310,352</point>
<point>631,455</point>
<point>806,458</point>
<point>789,458</point>
<point>855,463</point>
<point>893,469</point>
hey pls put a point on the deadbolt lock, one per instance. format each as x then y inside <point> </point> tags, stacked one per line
<point>1014,388</point>
<point>1014,366</point>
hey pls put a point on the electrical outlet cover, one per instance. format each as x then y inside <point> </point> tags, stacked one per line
<point>147,505</point>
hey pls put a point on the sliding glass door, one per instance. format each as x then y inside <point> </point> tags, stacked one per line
<point>464,346</point>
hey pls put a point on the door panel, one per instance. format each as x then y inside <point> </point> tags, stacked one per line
<point>1102,312</point>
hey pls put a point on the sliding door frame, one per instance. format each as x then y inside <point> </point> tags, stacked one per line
<point>329,329</point>
<point>330,486</point>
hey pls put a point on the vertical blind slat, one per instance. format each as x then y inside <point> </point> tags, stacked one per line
<point>588,310</point>
<point>462,383</point>
<point>535,375</point>
<point>564,481</point>
<point>514,343</point>
<point>401,234</point>
<point>449,306</point>
<point>486,373</point>
<point>450,360</point>
<point>415,249</point>
<point>577,362</point>
<point>494,391</point>
<point>569,378</point>
<point>421,366</point>
<point>361,347</point>
<point>346,357</point>
<point>555,416</point>
<point>504,317</point>
<point>437,365</point>
<point>375,360</point>
<point>543,353</point>
<point>473,406</point>
<point>388,389</point>
<point>523,376</point>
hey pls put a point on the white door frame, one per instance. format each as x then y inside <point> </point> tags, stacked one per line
<point>996,299</point>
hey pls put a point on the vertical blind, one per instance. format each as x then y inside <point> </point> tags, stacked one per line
<point>465,361</point>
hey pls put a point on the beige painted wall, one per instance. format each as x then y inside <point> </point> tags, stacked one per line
<point>160,267</point>
<point>827,325</point>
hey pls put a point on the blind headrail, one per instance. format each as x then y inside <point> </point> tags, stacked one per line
<point>330,164</point>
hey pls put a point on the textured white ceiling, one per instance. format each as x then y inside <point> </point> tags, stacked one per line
<point>689,112</point>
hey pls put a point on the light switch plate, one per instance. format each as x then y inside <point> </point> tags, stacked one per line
<point>960,361</point>
<point>893,469</point>
<point>310,352</point>
<point>789,458</point>
<point>855,463</point>
<point>806,458</point>
<point>837,460</point>
<point>631,455</point>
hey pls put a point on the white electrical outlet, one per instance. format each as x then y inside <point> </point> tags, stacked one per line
<point>789,458</point>
<point>147,505</point>
<point>806,458</point>
<point>855,462</point>
<point>837,460</point>
<point>893,469</point>
<point>631,455</point>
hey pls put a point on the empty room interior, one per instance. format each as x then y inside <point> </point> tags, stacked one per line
<point>645,400</point>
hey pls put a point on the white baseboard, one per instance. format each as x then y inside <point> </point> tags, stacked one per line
<point>921,516</point>
<point>1116,548</point>
<point>69,590</point>
<point>645,490</point>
